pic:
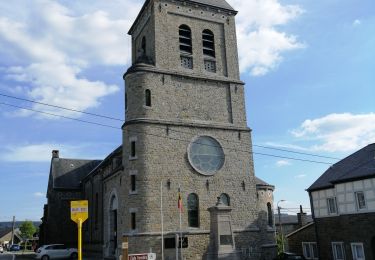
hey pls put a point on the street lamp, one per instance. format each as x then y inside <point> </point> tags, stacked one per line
<point>281,226</point>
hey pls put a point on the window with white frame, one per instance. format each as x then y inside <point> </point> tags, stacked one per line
<point>358,251</point>
<point>310,250</point>
<point>338,251</point>
<point>332,205</point>
<point>360,200</point>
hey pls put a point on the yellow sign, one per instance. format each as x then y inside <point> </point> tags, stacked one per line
<point>79,210</point>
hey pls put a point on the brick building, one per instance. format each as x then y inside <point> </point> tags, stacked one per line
<point>185,130</point>
<point>343,201</point>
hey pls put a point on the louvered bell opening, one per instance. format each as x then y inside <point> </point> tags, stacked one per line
<point>185,40</point>
<point>208,43</point>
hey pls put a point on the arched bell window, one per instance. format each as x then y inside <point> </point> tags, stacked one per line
<point>208,40</point>
<point>193,210</point>
<point>208,43</point>
<point>185,39</point>
<point>148,98</point>
<point>186,47</point>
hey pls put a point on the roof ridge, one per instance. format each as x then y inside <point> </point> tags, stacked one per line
<point>355,168</point>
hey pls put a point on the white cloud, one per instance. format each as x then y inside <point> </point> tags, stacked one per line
<point>282,163</point>
<point>39,194</point>
<point>357,22</point>
<point>42,152</point>
<point>49,45</point>
<point>338,132</point>
<point>52,47</point>
<point>300,176</point>
<point>261,43</point>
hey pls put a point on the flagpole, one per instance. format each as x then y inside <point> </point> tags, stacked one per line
<point>162,220</point>
<point>181,238</point>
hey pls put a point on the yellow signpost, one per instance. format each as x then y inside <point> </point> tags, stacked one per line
<point>79,213</point>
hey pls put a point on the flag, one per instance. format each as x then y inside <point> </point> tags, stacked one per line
<point>179,205</point>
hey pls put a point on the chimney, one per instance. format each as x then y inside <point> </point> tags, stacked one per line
<point>301,216</point>
<point>55,154</point>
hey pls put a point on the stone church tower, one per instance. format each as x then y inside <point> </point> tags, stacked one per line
<point>186,130</point>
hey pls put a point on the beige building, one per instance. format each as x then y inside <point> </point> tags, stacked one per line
<point>185,133</point>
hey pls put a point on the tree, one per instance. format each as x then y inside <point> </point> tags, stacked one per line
<point>279,240</point>
<point>27,229</point>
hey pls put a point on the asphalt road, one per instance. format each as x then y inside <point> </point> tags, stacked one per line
<point>7,256</point>
<point>16,256</point>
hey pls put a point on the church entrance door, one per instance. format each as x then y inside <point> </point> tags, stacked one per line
<point>113,232</point>
<point>112,227</point>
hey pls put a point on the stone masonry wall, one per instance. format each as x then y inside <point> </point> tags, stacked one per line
<point>305,235</point>
<point>183,98</point>
<point>169,15</point>
<point>356,228</point>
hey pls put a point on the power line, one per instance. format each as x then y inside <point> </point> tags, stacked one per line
<point>177,139</point>
<point>61,107</point>
<point>289,151</point>
<point>51,114</point>
<point>117,119</point>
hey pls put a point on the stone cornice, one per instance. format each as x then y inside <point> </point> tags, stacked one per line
<point>141,67</point>
<point>196,124</point>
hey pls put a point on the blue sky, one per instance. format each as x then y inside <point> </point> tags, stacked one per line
<point>308,68</point>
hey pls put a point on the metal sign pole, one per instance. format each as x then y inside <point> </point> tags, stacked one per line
<point>79,239</point>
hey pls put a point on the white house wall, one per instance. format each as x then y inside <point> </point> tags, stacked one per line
<point>345,198</point>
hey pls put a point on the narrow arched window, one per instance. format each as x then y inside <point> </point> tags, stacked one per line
<point>225,199</point>
<point>208,39</point>
<point>126,101</point>
<point>193,210</point>
<point>270,215</point>
<point>186,49</point>
<point>143,45</point>
<point>148,98</point>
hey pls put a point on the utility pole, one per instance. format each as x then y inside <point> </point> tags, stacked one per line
<point>13,225</point>
<point>281,225</point>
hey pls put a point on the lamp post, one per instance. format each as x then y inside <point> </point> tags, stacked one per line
<point>281,226</point>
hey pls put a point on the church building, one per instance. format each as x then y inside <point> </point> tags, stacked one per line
<point>184,174</point>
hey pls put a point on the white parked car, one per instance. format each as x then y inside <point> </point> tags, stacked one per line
<point>56,251</point>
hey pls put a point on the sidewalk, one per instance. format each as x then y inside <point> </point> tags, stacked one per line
<point>27,256</point>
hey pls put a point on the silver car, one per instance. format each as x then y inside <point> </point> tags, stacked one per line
<point>56,251</point>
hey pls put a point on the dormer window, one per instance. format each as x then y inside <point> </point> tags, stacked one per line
<point>208,42</point>
<point>186,49</point>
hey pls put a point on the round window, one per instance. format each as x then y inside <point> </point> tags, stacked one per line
<point>206,155</point>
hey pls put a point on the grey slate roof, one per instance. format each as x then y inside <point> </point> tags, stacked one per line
<point>359,165</point>
<point>221,4</point>
<point>68,173</point>
<point>108,159</point>
<point>215,3</point>
<point>262,184</point>
<point>290,219</point>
